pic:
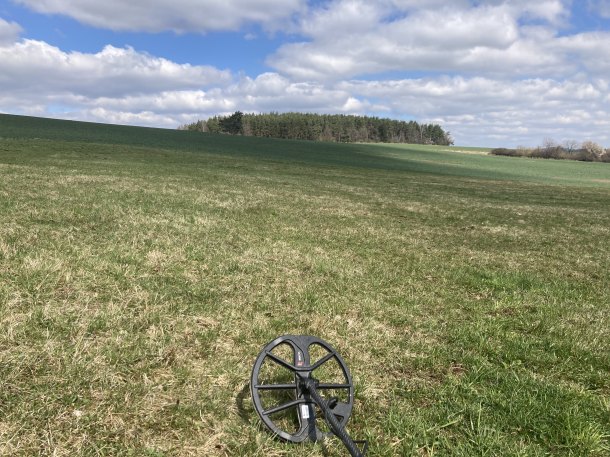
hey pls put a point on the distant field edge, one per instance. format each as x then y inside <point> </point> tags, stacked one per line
<point>439,161</point>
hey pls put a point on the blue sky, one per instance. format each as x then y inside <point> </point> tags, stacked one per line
<point>492,72</point>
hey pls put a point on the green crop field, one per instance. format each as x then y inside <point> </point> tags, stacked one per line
<point>142,271</point>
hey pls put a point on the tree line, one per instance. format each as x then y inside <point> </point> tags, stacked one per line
<point>338,128</point>
<point>588,151</point>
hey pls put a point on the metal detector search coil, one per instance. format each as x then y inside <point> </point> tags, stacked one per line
<point>287,378</point>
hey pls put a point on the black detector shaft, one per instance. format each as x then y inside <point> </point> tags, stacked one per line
<point>288,379</point>
<point>309,385</point>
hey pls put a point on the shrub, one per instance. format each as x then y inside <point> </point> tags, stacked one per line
<point>549,152</point>
<point>504,152</point>
<point>593,149</point>
<point>588,152</point>
<point>524,152</point>
<point>584,156</point>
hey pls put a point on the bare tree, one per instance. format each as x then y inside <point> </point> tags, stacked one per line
<point>570,146</point>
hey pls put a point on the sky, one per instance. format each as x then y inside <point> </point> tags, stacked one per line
<point>494,73</point>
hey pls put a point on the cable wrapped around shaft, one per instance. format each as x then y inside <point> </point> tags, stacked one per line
<point>310,386</point>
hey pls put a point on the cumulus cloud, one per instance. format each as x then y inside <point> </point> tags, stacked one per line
<point>273,92</point>
<point>267,92</point>
<point>490,112</point>
<point>178,15</point>
<point>413,44</point>
<point>30,66</point>
<point>113,85</point>
<point>353,37</point>
<point>9,31</point>
<point>523,72</point>
<point>587,49</point>
<point>122,85</point>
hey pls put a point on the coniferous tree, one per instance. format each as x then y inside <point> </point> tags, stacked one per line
<point>232,124</point>
<point>324,127</point>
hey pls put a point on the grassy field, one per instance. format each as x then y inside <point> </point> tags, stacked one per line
<point>142,271</point>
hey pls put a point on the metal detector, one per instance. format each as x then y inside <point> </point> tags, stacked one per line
<point>286,390</point>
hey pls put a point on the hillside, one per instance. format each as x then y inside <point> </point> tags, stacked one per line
<point>142,271</point>
<point>439,160</point>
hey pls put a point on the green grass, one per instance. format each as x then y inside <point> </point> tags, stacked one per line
<point>142,270</point>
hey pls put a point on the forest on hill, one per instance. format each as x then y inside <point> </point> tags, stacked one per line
<point>338,128</point>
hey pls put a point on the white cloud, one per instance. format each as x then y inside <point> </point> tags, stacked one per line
<point>553,11</point>
<point>115,84</point>
<point>449,38</point>
<point>588,49</point>
<point>340,18</point>
<point>267,92</point>
<point>141,118</point>
<point>125,86</point>
<point>273,92</point>
<point>9,31</point>
<point>177,15</point>
<point>29,66</point>
<point>492,112</point>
